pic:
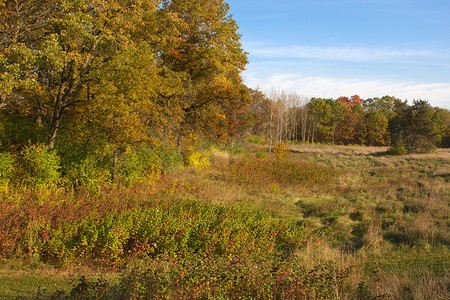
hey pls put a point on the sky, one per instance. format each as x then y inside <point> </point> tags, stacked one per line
<point>333,48</point>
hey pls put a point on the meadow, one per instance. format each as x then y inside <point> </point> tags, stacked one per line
<point>306,222</point>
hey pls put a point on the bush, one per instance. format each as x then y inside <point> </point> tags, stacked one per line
<point>253,277</point>
<point>281,150</point>
<point>397,149</point>
<point>170,158</point>
<point>138,164</point>
<point>255,139</point>
<point>88,173</point>
<point>261,154</point>
<point>40,166</point>
<point>6,167</point>
<point>199,160</point>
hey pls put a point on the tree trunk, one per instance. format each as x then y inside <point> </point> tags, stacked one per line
<point>114,172</point>
<point>51,136</point>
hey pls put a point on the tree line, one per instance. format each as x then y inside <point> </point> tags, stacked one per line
<point>386,121</point>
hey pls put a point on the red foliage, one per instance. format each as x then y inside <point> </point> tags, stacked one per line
<point>353,101</point>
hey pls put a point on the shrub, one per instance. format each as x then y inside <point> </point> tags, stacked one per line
<point>139,163</point>
<point>397,149</point>
<point>40,165</point>
<point>199,160</point>
<point>6,167</point>
<point>255,139</point>
<point>261,154</point>
<point>253,277</point>
<point>170,158</point>
<point>280,150</point>
<point>88,173</point>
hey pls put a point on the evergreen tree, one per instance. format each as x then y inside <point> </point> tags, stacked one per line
<point>416,128</point>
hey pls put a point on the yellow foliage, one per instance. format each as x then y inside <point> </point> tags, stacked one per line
<point>199,160</point>
<point>280,150</point>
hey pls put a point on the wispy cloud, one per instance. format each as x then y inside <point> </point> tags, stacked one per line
<point>328,87</point>
<point>335,53</point>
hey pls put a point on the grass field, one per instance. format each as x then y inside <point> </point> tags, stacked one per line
<point>320,221</point>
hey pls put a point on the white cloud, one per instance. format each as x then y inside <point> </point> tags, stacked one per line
<point>328,87</point>
<point>335,53</point>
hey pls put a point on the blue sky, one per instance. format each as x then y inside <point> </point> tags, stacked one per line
<point>333,48</point>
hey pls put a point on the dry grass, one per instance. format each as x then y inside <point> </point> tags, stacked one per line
<point>334,149</point>
<point>415,282</point>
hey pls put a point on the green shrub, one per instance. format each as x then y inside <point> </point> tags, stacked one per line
<point>255,139</point>
<point>144,161</point>
<point>236,149</point>
<point>252,277</point>
<point>170,158</point>
<point>6,167</point>
<point>261,154</point>
<point>40,166</point>
<point>138,164</point>
<point>397,149</point>
<point>88,173</point>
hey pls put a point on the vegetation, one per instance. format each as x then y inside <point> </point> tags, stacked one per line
<point>130,148</point>
<point>386,121</point>
<point>322,221</point>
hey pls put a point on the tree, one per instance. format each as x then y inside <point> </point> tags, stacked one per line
<point>374,129</point>
<point>352,101</point>
<point>348,130</point>
<point>444,115</point>
<point>210,57</point>
<point>50,49</point>
<point>325,116</point>
<point>384,105</point>
<point>257,112</point>
<point>417,127</point>
<point>123,105</point>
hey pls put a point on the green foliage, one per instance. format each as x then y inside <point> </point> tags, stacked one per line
<point>417,127</point>
<point>170,158</point>
<point>17,131</point>
<point>40,166</point>
<point>227,278</point>
<point>261,154</point>
<point>325,115</point>
<point>255,139</point>
<point>138,164</point>
<point>374,129</point>
<point>397,149</point>
<point>236,149</point>
<point>88,173</point>
<point>6,167</point>
<point>179,229</point>
<point>444,115</point>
